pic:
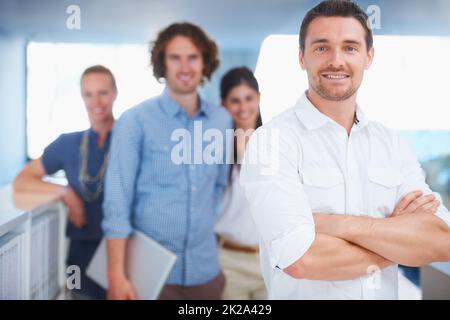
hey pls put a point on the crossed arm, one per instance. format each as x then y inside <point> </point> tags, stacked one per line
<point>347,246</point>
<point>412,240</point>
<point>334,259</point>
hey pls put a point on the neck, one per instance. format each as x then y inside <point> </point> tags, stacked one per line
<point>103,128</point>
<point>188,101</point>
<point>247,126</point>
<point>241,141</point>
<point>343,112</point>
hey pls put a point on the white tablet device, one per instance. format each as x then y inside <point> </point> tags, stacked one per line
<point>148,265</point>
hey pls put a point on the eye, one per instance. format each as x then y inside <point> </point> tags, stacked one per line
<point>194,58</point>
<point>249,98</point>
<point>173,58</point>
<point>351,49</point>
<point>320,49</point>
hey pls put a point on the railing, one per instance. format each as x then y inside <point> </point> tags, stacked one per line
<point>32,247</point>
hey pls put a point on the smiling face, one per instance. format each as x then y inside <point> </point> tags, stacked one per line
<point>184,65</point>
<point>243,104</point>
<point>98,95</point>
<point>335,57</point>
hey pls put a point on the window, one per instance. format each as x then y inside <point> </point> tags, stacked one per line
<point>54,103</point>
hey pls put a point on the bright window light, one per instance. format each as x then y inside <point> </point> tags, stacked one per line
<point>54,103</point>
<point>406,88</point>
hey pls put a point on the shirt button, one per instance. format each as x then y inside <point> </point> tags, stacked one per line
<point>194,188</point>
<point>166,148</point>
<point>192,167</point>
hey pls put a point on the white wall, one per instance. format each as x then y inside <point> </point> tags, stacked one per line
<point>12,107</point>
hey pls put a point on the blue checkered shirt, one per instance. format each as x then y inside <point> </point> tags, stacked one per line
<point>174,204</point>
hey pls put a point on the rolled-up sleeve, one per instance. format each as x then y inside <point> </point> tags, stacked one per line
<point>121,175</point>
<point>278,202</point>
<point>414,178</point>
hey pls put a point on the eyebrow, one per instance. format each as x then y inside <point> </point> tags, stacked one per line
<point>174,55</point>
<point>353,42</point>
<point>327,41</point>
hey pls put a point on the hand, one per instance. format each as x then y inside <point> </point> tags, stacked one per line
<point>120,288</point>
<point>415,202</point>
<point>329,224</point>
<point>77,212</point>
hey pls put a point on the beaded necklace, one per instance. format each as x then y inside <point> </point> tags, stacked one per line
<point>84,178</point>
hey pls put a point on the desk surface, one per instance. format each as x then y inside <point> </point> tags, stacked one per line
<point>15,206</point>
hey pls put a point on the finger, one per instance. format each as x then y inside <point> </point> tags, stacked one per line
<point>407,199</point>
<point>83,220</point>
<point>81,223</point>
<point>429,207</point>
<point>435,206</point>
<point>431,203</point>
<point>71,220</point>
<point>416,204</point>
<point>132,294</point>
<point>78,221</point>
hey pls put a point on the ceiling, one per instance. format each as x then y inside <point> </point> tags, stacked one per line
<point>239,24</point>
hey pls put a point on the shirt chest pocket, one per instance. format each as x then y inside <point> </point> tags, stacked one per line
<point>383,189</point>
<point>325,189</point>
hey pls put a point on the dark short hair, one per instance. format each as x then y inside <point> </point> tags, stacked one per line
<point>199,38</point>
<point>336,8</point>
<point>100,69</point>
<point>236,77</point>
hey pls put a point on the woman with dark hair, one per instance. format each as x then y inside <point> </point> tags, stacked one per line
<point>238,240</point>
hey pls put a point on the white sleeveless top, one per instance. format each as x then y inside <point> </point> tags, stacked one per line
<point>235,222</point>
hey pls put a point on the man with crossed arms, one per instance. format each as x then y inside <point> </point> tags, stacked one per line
<point>339,196</point>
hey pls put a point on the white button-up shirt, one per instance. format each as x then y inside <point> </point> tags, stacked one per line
<point>304,162</point>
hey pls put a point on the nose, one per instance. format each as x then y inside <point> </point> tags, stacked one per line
<point>336,59</point>
<point>96,100</point>
<point>242,106</point>
<point>185,65</point>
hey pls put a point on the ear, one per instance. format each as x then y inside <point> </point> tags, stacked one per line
<point>370,56</point>
<point>301,59</point>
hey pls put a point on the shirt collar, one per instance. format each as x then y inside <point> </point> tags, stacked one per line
<point>362,119</point>
<point>172,108</point>
<point>93,136</point>
<point>312,118</point>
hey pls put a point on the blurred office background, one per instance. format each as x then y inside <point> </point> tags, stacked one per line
<point>42,54</point>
